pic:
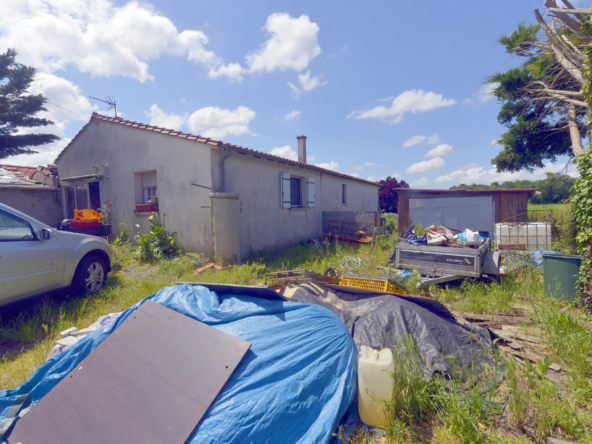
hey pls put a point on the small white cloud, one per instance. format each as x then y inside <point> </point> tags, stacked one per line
<point>307,83</point>
<point>334,166</point>
<point>440,151</point>
<point>159,118</point>
<point>286,152</point>
<point>371,178</point>
<point>309,158</point>
<point>495,142</point>
<point>485,92</point>
<point>369,164</point>
<point>396,175</point>
<point>358,168</point>
<point>426,166</point>
<point>292,116</point>
<point>412,101</point>
<point>216,122</point>
<point>386,99</point>
<point>232,71</point>
<point>467,101</point>
<point>356,174</point>
<point>416,140</point>
<point>420,182</point>
<point>479,175</point>
<point>292,44</point>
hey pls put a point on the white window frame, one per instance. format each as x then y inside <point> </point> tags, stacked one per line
<point>148,195</point>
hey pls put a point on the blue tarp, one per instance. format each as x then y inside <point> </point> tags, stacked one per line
<point>293,385</point>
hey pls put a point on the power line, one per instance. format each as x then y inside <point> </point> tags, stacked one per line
<point>110,101</point>
<point>73,112</point>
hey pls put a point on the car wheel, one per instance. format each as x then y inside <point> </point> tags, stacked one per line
<point>90,275</point>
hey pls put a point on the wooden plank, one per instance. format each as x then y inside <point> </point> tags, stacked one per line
<point>150,382</point>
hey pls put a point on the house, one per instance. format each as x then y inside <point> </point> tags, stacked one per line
<point>224,200</point>
<point>35,199</point>
<point>478,210</point>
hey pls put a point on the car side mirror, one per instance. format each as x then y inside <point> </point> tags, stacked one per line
<point>46,234</point>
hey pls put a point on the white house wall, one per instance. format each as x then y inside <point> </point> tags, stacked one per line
<point>263,225</point>
<point>126,151</point>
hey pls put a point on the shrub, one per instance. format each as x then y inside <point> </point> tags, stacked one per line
<point>158,243</point>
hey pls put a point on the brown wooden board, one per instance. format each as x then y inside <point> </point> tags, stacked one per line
<point>151,381</point>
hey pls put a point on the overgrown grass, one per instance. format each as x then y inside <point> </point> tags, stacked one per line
<point>480,297</point>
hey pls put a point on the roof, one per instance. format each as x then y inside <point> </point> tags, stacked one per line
<point>215,143</point>
<point>10,179</point>
<point>465,191</point>
<point>22,172</point>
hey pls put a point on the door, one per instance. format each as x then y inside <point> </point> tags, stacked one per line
<point>28,266</point>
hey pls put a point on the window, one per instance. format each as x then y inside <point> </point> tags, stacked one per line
<point>343,193</point>
<point>76,199</point>
<point>14,228</point>
<point>149,193</point>
<point>295,192</point>
<point>149,186</point>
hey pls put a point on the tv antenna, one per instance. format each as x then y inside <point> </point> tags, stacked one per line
<point>110,101</point>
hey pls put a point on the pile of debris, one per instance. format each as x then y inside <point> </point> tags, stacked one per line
<point>438,235</point>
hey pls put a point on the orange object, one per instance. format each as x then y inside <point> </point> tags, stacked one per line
<point>87,215</point>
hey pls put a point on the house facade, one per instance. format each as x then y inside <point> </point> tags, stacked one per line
<point>224,200</point>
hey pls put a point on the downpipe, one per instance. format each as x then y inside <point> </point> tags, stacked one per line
<point>222,173</point>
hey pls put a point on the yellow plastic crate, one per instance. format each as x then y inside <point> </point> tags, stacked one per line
<point>371,283</point>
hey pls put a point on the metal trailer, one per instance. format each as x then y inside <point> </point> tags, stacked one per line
<point>444,264</point>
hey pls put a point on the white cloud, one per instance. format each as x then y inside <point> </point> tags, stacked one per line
<point>292,116</point>
<point>416,140</point>
<point>371,178</point>
<point>439,151</point>
<point>329,165</point>
<point>97,37</point>
<point>467,101</point>
<point>65,99</point>
<point>307,83</point>
<point>286,152</point>
<point>369,164</point>
<point>355,174</point>
<point>358,168</point>
<point>232,71</point>
<point>396,175</point>
<point>426,166</point>
<point>292,44</point>
<point>62,95</point>
<point>412,101</point>
<point>479,175</point>
<point>485,92</point>
<point>495,142</point>
<point>309,158</point>
<point>216,122</point>
<point>159,118</point>
<point>420,182</point>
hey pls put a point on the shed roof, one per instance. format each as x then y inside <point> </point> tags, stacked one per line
<point>465,191</point>
<point>212,142</point>
<point>22,172</point>
<point>12,180</point>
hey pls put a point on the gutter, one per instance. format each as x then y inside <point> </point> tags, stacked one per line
<point>222,173</point>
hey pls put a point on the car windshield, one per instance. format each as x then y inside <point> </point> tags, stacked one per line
<point>13,228</point>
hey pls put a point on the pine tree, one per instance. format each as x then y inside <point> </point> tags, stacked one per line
<point>18,108</point>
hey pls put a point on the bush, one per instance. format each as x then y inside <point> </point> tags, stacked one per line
<point>157,244</point>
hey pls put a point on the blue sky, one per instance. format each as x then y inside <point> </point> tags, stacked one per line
<point>380,88</point>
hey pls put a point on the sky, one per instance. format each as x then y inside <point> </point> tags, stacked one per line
<point>380,88</point>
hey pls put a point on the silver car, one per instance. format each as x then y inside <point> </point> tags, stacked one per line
<point>36,259</point>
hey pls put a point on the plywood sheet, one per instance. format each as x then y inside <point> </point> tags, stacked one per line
<point>150,382</point>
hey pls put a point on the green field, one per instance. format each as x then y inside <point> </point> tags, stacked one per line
<point>550,207</point>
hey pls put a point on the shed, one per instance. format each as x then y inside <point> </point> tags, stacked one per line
<point>478,210</point>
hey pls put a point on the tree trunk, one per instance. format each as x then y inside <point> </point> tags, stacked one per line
<point>574,131</point>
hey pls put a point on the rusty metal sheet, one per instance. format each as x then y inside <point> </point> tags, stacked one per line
<point>151,381</point>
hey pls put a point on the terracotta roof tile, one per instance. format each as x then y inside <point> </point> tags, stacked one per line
<point>214,142</point>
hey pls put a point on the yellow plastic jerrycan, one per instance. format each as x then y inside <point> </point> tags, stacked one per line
<point>374,383</point>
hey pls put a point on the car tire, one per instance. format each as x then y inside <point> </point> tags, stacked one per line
<point>90,275</point>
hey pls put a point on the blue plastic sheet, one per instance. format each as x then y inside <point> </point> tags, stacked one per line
<point>537,257</point>
<point>293,386</point>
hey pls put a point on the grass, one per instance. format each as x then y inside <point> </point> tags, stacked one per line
<point>463,408</point>
<point>549,207</point>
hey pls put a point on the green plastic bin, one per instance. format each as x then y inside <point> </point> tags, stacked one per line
<point>560,275</point>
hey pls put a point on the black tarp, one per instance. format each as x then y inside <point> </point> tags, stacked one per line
<point>380,321</point>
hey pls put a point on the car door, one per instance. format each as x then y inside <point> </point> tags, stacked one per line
<point>28,265</point>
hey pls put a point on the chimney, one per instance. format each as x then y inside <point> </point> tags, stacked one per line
<point>301,149</point>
